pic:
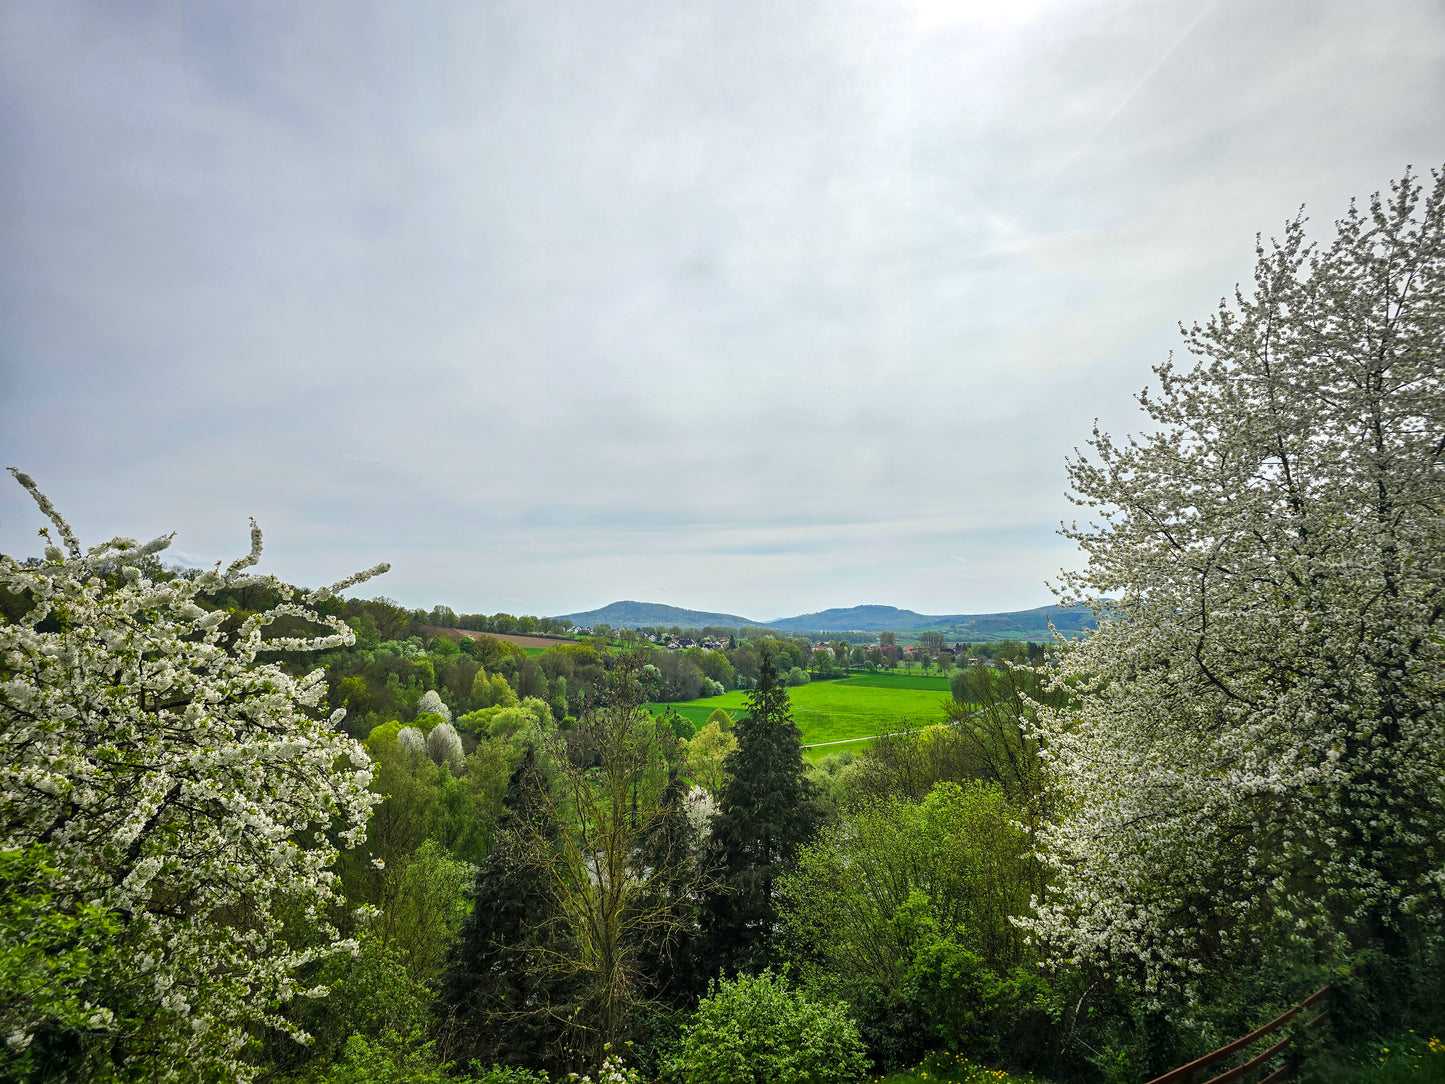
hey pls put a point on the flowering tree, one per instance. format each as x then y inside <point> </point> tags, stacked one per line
<point>1258,748</point>
<point>176,804</point>
<point>431,704</point>
<point>444,745</point>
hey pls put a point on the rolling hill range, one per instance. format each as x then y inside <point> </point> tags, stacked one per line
<point>1017,623</point>
<point>884,618</point>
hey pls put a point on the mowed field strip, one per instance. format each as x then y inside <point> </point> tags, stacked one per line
<point>855,707</point>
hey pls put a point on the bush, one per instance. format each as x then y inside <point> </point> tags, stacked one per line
<point>392,1059</point>
<point>681,725</point>
<point>507,1074</point>
<point>760,1031</point>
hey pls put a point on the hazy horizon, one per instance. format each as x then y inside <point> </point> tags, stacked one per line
<point>747,308</point>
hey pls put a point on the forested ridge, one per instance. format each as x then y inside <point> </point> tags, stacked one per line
<point>857,622</point>
<point>260,832</point>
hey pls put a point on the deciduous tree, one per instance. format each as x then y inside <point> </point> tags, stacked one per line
<point>184,798</point>
<point>1260,740</point>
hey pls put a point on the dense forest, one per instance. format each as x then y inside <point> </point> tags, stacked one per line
<point>259,832</point>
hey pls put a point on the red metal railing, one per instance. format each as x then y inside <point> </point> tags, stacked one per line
<point>1241,1071</point>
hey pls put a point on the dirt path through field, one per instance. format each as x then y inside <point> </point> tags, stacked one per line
<point>511,638</point>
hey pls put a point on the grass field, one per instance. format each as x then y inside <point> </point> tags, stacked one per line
<point>1404,1058</point>
<point>894,679</point>
<point>852,707</point>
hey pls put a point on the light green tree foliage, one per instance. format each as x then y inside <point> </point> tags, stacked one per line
<point>530,719</point>
<point>424,902</point>
<point>831,777</point>
<point>904,910</point>
<point>715,665</point>
<point>910,765</point>
<point>494,722</point>
<point>1260,739</point>
<point>473,799</point>
<point>444,647</point>
<point>377,1010</point>
<point>540,711</point>
<point>391,1059</point>
<point>409,813</point>
<point>706,754</point>
<point>895,874</point>
<point>491,691</point>
<point>381,736</point>
<point>931,641</point>
<point>50,954</point>
<point>759,1030</point>
<point>995,711</point>
<point>422,800</point>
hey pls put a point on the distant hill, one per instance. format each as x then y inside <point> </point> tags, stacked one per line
<point>1064,618</point>
<point>1017,623</point>
<point>651,614</point>
<point>963,626</point>
<point>854,619</point>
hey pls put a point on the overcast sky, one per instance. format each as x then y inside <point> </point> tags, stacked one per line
<point>754,307</point>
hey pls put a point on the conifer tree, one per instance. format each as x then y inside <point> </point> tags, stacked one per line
<point>500,996</point>
<point>767,814</point>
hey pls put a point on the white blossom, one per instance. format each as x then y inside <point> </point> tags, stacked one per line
<point>177,784</point>
<point>700,808</point>
<point>411,739</point>
<point>431,704</point>
<point>444,745</point>
<point>1257,744</point>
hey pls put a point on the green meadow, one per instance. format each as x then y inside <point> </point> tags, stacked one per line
<point>854,707</point>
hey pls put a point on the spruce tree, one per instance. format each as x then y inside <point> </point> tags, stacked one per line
<point>767,814</point>
<point>501,999</point>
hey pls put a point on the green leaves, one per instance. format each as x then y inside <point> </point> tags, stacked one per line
<point>51,951</point>
<point>759,1030</point>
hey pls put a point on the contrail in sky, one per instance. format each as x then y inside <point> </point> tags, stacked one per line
<point>1123,104</point>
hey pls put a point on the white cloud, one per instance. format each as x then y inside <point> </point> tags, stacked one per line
<point>786,306</point>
